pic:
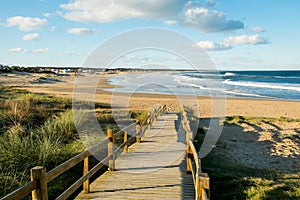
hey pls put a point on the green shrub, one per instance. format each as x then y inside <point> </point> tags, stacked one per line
<point>62,128</point>
<point>142,116</point>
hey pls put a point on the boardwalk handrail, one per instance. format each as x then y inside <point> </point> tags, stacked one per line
<point>39,178</point>
<point>201,180</point>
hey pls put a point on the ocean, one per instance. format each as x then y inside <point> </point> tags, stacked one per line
<point>284,85</point>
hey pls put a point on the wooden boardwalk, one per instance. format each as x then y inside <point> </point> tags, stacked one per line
<point>152,169</point>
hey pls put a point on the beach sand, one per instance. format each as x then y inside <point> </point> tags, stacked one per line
<point>255,145</point>
<point>63,86</point>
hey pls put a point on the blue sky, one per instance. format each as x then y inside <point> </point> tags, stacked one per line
<point>237,35</point>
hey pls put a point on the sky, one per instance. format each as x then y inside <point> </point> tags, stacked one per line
<point>236,34</point>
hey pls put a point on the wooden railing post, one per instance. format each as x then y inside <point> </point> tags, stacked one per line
<point>138,131</point>
<point>39,173</point>
<point>198,188</point>
<point>155,115</point>
<point>204,186</point>
<point>86,184</point>
<point>189,155</point>
<point>111,159</point>
<point>149,120</point>
<point>125,149</point>
<point>164,108</point>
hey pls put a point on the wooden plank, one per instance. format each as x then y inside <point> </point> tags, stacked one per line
<point>152,169</point>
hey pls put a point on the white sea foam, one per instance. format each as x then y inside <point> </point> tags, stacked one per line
<point>287,77</point>
<point>181,78</point>
<point>198,86</point>
<point>246,94</point>
<point>192,83</point>
<point>229,74</point>
<point>263,85</point>
<point>186,81</point>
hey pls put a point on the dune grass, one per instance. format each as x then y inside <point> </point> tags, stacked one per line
<point>20,152</point>
<point>38,129</point>
<point>34,130</point>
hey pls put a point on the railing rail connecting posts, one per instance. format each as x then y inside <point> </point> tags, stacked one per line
<point>39,178</point>
<point>193,162</point>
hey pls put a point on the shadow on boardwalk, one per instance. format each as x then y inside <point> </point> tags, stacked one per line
<point>152,169</point>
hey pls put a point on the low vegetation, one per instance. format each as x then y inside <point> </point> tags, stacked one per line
<point>232,180</point>
<point>39,130</point>
<point>34,130</point>
<point>257,120</point>
<point>142,116</point>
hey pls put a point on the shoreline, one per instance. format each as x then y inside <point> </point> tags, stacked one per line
<point>233,107</point>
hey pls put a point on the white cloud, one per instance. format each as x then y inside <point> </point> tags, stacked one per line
<point>213,46</point>
<point>31,36</point>
<point>185,13</point>
<point>68,53</point>
<point>39,50</point>
<point>246,39</point>
<point>47,15</point>
<point>21,50</point>
<point>257,29</point>
<point>26,23</point>
<point>17,50</point>
<point>209,21</point>
<point>170,22</point>
<point>227,43</point>
<point>82,31</point>
<point>109,11</point>
<point>53,28</point>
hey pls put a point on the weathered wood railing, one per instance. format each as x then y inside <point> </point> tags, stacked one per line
<point>193,162</point>
<point>40,178</point>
